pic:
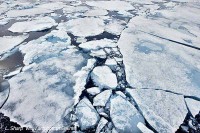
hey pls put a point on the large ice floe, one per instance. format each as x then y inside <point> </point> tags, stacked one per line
<point>37,24</point>
<point>164,111</point>
<point>40,95</point>
<point>148,58</point>
<point>84,26</point>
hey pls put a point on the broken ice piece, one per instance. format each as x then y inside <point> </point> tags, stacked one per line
<point>94,90</point>
<point>38,24</point>
<point>87,115</point>
<point>102,98</point>
<point>124,115</point>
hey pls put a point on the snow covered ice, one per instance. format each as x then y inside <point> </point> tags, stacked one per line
<point>38,24</point>
<point>120,66</point>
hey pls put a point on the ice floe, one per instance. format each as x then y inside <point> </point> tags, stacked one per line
<point>193,106</point>
<point>45,47</point>
<point>27,12</point>
<point>164,111</point>
<point>98,53</point>
<point>96,12</point>
<point>102,98</point>
<point>87,115</point>
<point>84,26</point>
<point>97,44</point>
<point>40,95</point>
<point>124,115</point>
<point>10,42</point>
<point>94,90</point>
<point>183,33</point>
<point>115,27</point>
<point>75,9</point>
<point>148,58</point>
<point>103,77</point>
<point>111,5</point>
<point>37,24</point>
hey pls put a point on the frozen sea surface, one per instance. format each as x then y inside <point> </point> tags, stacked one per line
<point>100,66</point>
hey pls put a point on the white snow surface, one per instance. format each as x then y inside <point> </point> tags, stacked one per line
<point>111,5</point>
<point>103,77</point>
<point>27,12</point>
<point>148,58</point>
<point>87,115</point>
<point>115,27</point>
<point>84,26</point>
<point>97,44</point>
<point>102,98</point>
<point>94,90</point>
<point>40,95</point>
<point>37,24</point>
<point>164,111</point>
<point>124,115</point>
<point>45,47</point>
<point>193,106</point>
<point>96,12</point>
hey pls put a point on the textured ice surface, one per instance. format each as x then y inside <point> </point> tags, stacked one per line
<point>7,43</point>
<point>96,12</point>
<point>27,12</point>
<point>94,90</point>
<point>88,116</point>
<point>193,106</point>
<point>97,44</point>
<point>115,27</point>
<point>102,98</point>
<point>111,5</point>
<point>179,30</point>
<point>164,111</point>
<point>45,47</point>
<point>75,9</point>
<point>156,63</point>
<point>63,65</point>
<point>40,95</point>
<point>84,26</point>
<point>124,115</point>
<point>37,24</point>
<point>103,77</point>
